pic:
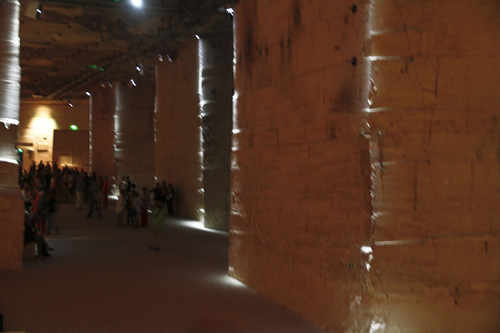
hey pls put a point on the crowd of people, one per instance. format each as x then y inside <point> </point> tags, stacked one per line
<point>134,206</point>
<point>43,186</point>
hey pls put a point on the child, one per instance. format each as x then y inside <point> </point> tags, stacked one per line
<point>158,225</point>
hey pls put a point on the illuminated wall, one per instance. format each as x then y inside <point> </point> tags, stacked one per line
<point>134,150</point>
<point>179,156</point>
<point>365,193</point>
<point>435,119</point>
<point>37,123</point>
<point>102,123</point>
<point>301,204</point>
<point>11,203</point>
<point>216,90</point>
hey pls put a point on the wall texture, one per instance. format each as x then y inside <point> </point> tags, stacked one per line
<point>102,127</point>
<point>301,203</point>
<point>216,60</point>
<point>178,130</point>
<point>435,151</point>
<point>134,151</point>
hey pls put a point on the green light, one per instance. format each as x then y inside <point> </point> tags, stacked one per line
<point>19,150</point>
<point>73,127</point>
<point>101,69</point>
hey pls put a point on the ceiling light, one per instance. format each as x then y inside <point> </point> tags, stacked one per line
<point>70,104</point>
<point>87,93</point>
<point>197,37</point>
<point>133,82</point>
<point>136,3</point>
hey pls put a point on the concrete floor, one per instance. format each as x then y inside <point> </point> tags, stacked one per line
<point>103,278</point>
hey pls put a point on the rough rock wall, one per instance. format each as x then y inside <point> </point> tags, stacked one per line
<point>102,128</point>
<point>436,125</point>
<point>134,151</point>
<point>216,53</point>
<point>178,130</point>
<point>301,202</point>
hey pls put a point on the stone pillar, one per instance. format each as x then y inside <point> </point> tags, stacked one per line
<point>435,116</point>
<point>102,129</point>
<point>11,203</point>
<point>301,204</point>
<point>179,155</point>
<point>134,150</point>
<point>216,60</point>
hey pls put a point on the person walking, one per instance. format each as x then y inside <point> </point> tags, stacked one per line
<point>158,225</point>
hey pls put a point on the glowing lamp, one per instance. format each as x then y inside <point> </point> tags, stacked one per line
<point>74,127</point>
<point>136,3</point>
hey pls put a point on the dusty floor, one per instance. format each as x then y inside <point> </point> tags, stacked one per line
<point>103,278</point>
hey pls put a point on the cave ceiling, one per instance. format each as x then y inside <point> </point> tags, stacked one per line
<point>75,46</point>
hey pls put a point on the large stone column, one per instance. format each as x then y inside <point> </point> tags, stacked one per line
<point>11,203</point>
<point>216,61</point>
<point>102,129</point>
<point>179,155</point>
<point>134,150</point>
<point>301,204</point>
<point>435,116</point>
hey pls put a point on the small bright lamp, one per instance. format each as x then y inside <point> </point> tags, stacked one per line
<point>136,3</point>
<point>73,127</point>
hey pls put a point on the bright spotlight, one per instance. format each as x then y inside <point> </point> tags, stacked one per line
<point>136,3</point>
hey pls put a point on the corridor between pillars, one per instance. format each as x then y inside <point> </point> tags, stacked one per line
<point>11,203</point>
<point>102,127</point>
<point>134,129</point>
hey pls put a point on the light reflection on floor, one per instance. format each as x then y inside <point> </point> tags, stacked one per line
<point>200,226</point>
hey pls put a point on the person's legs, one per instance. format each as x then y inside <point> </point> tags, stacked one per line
<point>42,226</point>
<point>55,225</point>
<point>98,207</point>
<point>157,241</point>
<point>48,224</point>
<point>79,200</point>
<point>144,217</point>
<point>91,208</point>
<point>170,207</point>
<point>120,218</point>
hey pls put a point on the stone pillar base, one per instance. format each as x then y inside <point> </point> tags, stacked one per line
<point>12,228</point>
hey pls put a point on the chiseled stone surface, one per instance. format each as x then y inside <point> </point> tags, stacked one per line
<point>436,167</point>
<point>216,52</point>
<point>178,130</point>
<point>12,226</point>
<point>301,204</point>
<point>134,151</point>
<point>102,122</point>
<point>302,196</point>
